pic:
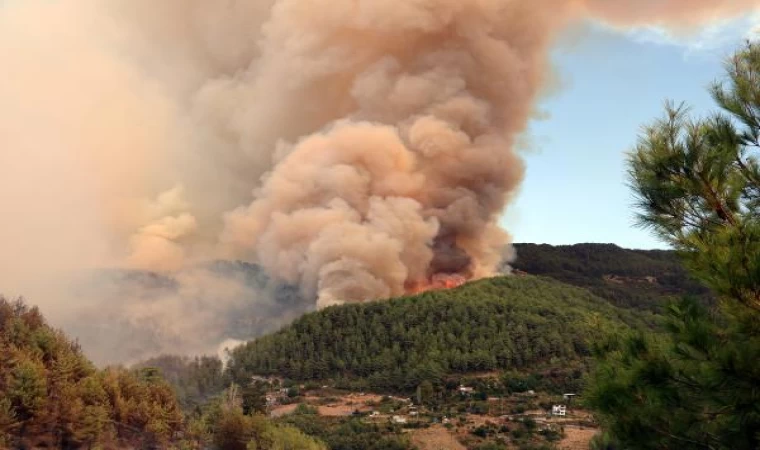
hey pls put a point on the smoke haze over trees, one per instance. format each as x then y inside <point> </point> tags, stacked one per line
<point>356,153</point>
<point>184,175</point>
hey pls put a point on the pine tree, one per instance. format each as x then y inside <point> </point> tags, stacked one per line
<point>698,186</point>
<point>8,421</point>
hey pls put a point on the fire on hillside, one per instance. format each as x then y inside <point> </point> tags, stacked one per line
<point>439,281</point>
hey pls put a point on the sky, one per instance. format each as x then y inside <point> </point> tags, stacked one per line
<point>611,84</point>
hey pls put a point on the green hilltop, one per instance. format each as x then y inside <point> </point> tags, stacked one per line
<point>532,330</point>
<point>523,323</point>
<point>637,279</point>
<point>51,396</point>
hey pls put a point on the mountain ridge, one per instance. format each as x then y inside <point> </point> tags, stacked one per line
<point>501,323</point>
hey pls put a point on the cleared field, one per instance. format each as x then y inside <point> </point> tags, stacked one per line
<point>436,438</point>
<point>577,438</point>
<point>342,406</point>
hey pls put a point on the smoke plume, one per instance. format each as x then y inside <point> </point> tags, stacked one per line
<point>359,149</point>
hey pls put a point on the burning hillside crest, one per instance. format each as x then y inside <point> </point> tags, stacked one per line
<point>437,282</point>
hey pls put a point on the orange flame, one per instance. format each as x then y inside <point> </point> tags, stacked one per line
<point>437,282</point>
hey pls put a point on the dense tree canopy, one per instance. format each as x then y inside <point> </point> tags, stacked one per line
<point>500,323</point>
<point>195,380</point>
<point>638,279</point>
<point>51,395</point>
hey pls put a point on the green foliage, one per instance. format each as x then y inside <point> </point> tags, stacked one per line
<point>639,279</point>
<point>254,398</point>
<point>551,435</point>
<point>27,387</point>
<point>195,380</point>
<point>8,421</point>
<point>289,438</point>
<point>603,441</point>
<point>518,383</point>
<point>234,430</point>
<point>52,396</point>
<point>426,393</point>
<point>348,434</point>
<point>481,431</point>
<point>221,424</point>
<point>500,323</point>
<point>698,185</point>
<point>697,386</point>
<point>144,407</point>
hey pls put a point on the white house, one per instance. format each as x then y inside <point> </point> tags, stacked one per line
<point>466,390</point>
<point>399,419</point>
<point>559,410</point>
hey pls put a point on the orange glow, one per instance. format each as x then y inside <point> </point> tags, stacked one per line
<point>437,282</point>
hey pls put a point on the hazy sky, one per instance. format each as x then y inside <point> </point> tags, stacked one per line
<point>612,84</point>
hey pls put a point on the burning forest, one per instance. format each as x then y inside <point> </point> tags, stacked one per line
<point>357,149</point>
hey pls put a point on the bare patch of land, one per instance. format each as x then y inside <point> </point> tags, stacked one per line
<point>577,438</point>
<point>436,438</point>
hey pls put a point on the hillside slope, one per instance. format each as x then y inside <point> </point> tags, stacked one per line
<point>51,396</point>
<point>235,300</point>
<point>639,279</point>
<point>499,323</point>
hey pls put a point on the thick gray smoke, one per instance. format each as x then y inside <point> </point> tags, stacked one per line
<point>359,149</point>
<point>141,314</point>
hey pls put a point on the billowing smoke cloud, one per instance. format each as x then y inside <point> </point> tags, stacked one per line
<point>356,148</point>
<point>409,180</point>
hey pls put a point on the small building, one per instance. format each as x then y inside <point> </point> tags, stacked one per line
<point>466,390</point>
<point>559,410</point>
<point>569,397</point>
<point>398,419</point>
<point>266,380</point>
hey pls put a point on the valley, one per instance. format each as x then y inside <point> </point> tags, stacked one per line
<point>479,366</point>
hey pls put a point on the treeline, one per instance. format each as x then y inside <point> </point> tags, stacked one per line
<point>500,323</point>
<point>640,279</point>
<point>196,381</point>
<point>228,423</point>
<point>52,396</point>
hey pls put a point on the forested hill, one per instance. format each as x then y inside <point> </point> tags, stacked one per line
<point>641,279</point>
<point>51,396</point>
<point>499,323</point>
